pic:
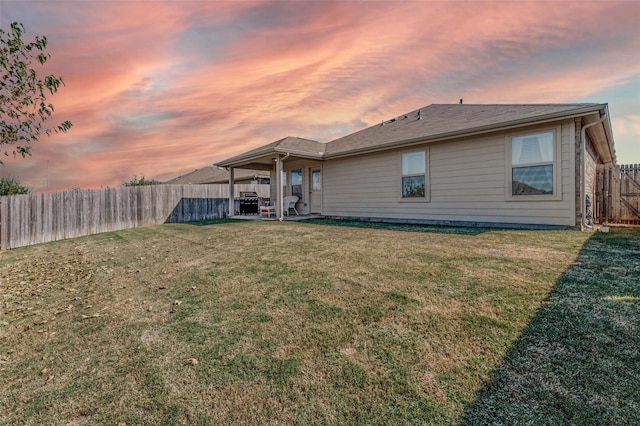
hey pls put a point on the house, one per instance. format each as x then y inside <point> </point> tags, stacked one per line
<point>487,165</point>
<point>217,175</point>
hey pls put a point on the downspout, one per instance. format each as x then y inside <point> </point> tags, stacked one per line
<point>583,167</point>
<point>279,163</point>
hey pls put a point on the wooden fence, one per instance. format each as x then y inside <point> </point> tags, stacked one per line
<point>618,194</point>
<point>38,218</point>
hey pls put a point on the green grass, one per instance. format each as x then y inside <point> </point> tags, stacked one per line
<point>298,323</point>
<point>578,361</point>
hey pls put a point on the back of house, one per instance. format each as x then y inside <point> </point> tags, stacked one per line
<point>490,165</point>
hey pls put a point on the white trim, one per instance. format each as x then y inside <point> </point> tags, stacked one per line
<point>427,180</point>
<point>557,165</point>
<point>310,170</point>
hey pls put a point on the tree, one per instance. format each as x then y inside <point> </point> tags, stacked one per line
<point>23,95</point>
<point>141,182</point>
<point>9,186</point>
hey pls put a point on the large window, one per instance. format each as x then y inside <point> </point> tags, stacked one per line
<point>532,164</point>
<point>414,176</point>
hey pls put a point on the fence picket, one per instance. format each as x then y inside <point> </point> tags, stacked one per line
<point>621,205</point>
<point>38,218</point>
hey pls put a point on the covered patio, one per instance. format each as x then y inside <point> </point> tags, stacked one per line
<point>292,218</point>
<point>295,169</point>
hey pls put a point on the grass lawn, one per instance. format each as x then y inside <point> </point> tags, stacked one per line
<point>304,323</point>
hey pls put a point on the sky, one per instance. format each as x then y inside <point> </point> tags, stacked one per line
<point>160,88</point>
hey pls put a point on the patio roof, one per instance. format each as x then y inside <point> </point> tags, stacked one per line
<point>261,158</point>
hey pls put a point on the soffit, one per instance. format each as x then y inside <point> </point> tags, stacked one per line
<point>600,136</point>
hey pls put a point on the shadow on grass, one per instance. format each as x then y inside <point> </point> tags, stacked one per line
<point>409,227</point>
<point>220,221</point>
<point>578,362</point>
<point>208,222</point>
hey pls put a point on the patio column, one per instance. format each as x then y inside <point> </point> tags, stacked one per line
<point>232,198</point>
<point>279,213</point>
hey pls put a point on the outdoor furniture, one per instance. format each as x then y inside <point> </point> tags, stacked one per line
<point>249,202</point>
<point>289,202</point>
<point>267,210</point>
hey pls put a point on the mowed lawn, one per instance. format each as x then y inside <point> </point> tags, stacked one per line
<point>238,322</point>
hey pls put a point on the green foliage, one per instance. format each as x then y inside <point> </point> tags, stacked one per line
<point>141,182</point>
<point>9,186</point>
<point>23,95</point>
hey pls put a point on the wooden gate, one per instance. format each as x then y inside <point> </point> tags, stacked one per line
<point>618,194</point>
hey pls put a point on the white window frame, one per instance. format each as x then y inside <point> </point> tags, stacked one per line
<point>556,163</point>
<point>427,189</point>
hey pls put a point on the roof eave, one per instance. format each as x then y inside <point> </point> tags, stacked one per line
<point>304,154</point>
<point>602,140</point>
<point>242,159</point>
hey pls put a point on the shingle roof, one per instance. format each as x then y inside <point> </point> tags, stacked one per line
<point>300,146</point>
<point>212,174</point>
<point>434,122</point>
<point>439,121</point>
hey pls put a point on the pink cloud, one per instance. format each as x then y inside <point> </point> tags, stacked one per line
<point>171,86</point>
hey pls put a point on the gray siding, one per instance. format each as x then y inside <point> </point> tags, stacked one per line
<point>468,181</point>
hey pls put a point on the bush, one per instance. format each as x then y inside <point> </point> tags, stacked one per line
<point>9,186</point>
<point>140,182</point>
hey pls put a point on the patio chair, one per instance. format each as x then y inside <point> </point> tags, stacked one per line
<point>289,202</point>
<point>267,210</point>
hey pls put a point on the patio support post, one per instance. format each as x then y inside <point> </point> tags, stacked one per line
<point>278,188</point>
<point>232,198</point>
<point>279,168</point>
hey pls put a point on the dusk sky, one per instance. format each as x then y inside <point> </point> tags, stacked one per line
<point>160,88</point>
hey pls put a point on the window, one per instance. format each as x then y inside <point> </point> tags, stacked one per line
<point>296,183</point>
<point>532,164</point>
<point>284,182</point>
<point>316,180</point>
<point>414,176</point>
